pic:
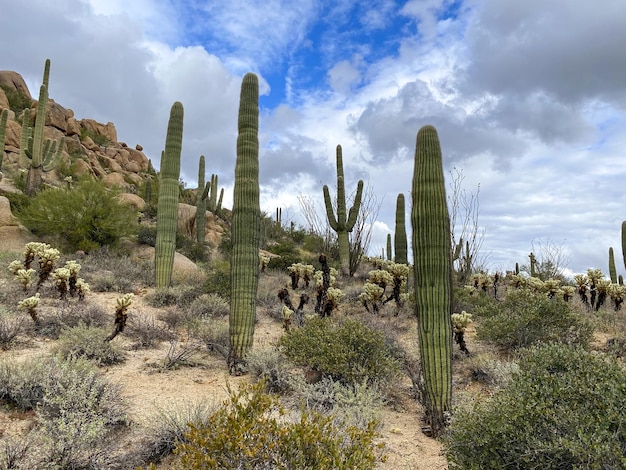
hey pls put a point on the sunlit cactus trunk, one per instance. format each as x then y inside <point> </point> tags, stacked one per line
<point>400,240</point>
<point>433,275</point>
<point>167,207</point>
<point>246,228</point>
<point>344,222</point>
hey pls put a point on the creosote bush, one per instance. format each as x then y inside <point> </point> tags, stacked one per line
<point>88,342</point>
<point>564,409</point>
<point>85,217</point>
<point>252,430</point>
<point>348,351</point>
<point>525,318</point>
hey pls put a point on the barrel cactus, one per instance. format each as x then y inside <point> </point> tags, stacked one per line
<point>433,275</point>
<point>167,208</point>
<point>244,267</point>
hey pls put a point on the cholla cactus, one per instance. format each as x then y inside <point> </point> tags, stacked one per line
<point>400,275</point>
<point>48,256</point>
<point>31,250</point>
<point>74,269</point>
<point>334,297</point>
<point>299,271</point>
<point>536,285</point>
<point>287,316</point>
<point>82,288</point>
<point>15,266</point>
<point>551,287</point>
<point>460,322</point>
<point>31,304</point>
<point>372,295</point>
<point>121,314</point>
<point>567,292</point>
<point>602,286</point>
<point>516,281</point>
<point>581,282</point>
<point>264,260</point>
<point>25,277</point>
<point>617,293</point>
<point>61,278</point>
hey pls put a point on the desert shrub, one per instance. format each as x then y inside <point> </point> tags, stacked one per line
<point>271,365</point>
<point>72,315</point>
<point>18,100</point>
<point>83,218</point>
<point>525,318</point>
<point>250,432</point>
<point>471,299</point>
<point>108,271</point>
<point>564,409</point>
<point>218,278</point>
<point>181,296</point>
<point>167,428</point>
<point>18,201</point>
<point>10,328</point>
<point>146,235</point>
<point>348,351</point>
<point>78,412</point>
<point>214,334</point>
<point>146,331</point>
<point>89,343</point>
<point>180,353</point>
<point>209,306</point>
<point>175,317</point>
<point>490,371</point>
<point>193,250</point>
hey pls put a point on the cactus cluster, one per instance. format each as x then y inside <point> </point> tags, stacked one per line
<point>300,271</point>
<point>344,222</point>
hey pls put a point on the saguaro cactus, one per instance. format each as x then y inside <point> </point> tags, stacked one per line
<point>244,264</point>
<point>612,268</point>
<point>3,127</point>
<point>41,153</point>
<point>433,275</point>
<point>624,242</point>
<point>342,224</point>
<point>400,240</point>
<point>167,207</point>
<point>201,203</point>
<point>389,253</point>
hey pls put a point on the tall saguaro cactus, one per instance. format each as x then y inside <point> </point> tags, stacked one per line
<point>399,238</point>
<point>3,127</point>
<point>433,275</point>
<point>244,264</point>
<point>343,224</point>
<point>612,268</point>
<point>201,203</point>
<point>167,207</point>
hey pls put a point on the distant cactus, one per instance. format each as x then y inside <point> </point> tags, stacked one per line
<point>432,254</point>
<point>43,154</point>
<point>213,203</point>
<point>389,253</point>
<point>3,127</point>
<point>343,223</point>
<point>201,204</point>
<point>244,266</point>
<point>533,265</point>
<point>400,240</point>
<point>167,208</point>
<point>612,268</point>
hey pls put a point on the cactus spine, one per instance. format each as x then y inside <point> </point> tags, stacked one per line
<point>201,204</point>
<point>3,127</point>
<point>433,275</point>
<point>400,240</point>
<point>341,224</point>
<point>612,268</point>
<point>167,207</point>
<point>244,265</point>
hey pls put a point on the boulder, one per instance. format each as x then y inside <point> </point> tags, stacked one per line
<point>56,116</point>
<point>138,157</point>
<point>73,127</point>
<point>13,134</point>
<point>6,216</point>
<point>183,270</point>
<point>15,81</point>
<point>107,130</point>
<point>133,200</point>
<point>81,167</point>
<point>4,101</point>
<point>115,179</point>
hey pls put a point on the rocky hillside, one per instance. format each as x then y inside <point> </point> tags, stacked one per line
<point>90,147</point>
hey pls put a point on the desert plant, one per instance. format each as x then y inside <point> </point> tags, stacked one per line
<point>564,409</point>
<point>400,240</point>
<point>90,343</point>
<point>245,228</point>
<point>121,314</point>
<point>249,431</point>
<point>525,318</point>
<point>271,366</point>
<point>349,351</point>
<point>10,328</point>
<point>433,276</point>
<point>85,217</point>
<point>201,203</point>
<point>344,222</point>
<point>167,210</point>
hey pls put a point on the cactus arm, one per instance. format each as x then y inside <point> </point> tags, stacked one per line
<point>244,266</point>
<point>330,213</point>
<point>167,208</point>
<point>433,274</point>
<point>356,206</point>
<point>205,193</point>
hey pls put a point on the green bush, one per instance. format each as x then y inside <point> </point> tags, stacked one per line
<point>218,278</point>
<point>349,351</point>
<point>525,318</point>
<point>83,218</point>
<point>564,409</point>
<point>251,431</point>
<point>18,101</point>
<point>89,343</point>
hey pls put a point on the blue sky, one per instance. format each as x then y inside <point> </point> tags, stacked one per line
<point>528,99</point>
